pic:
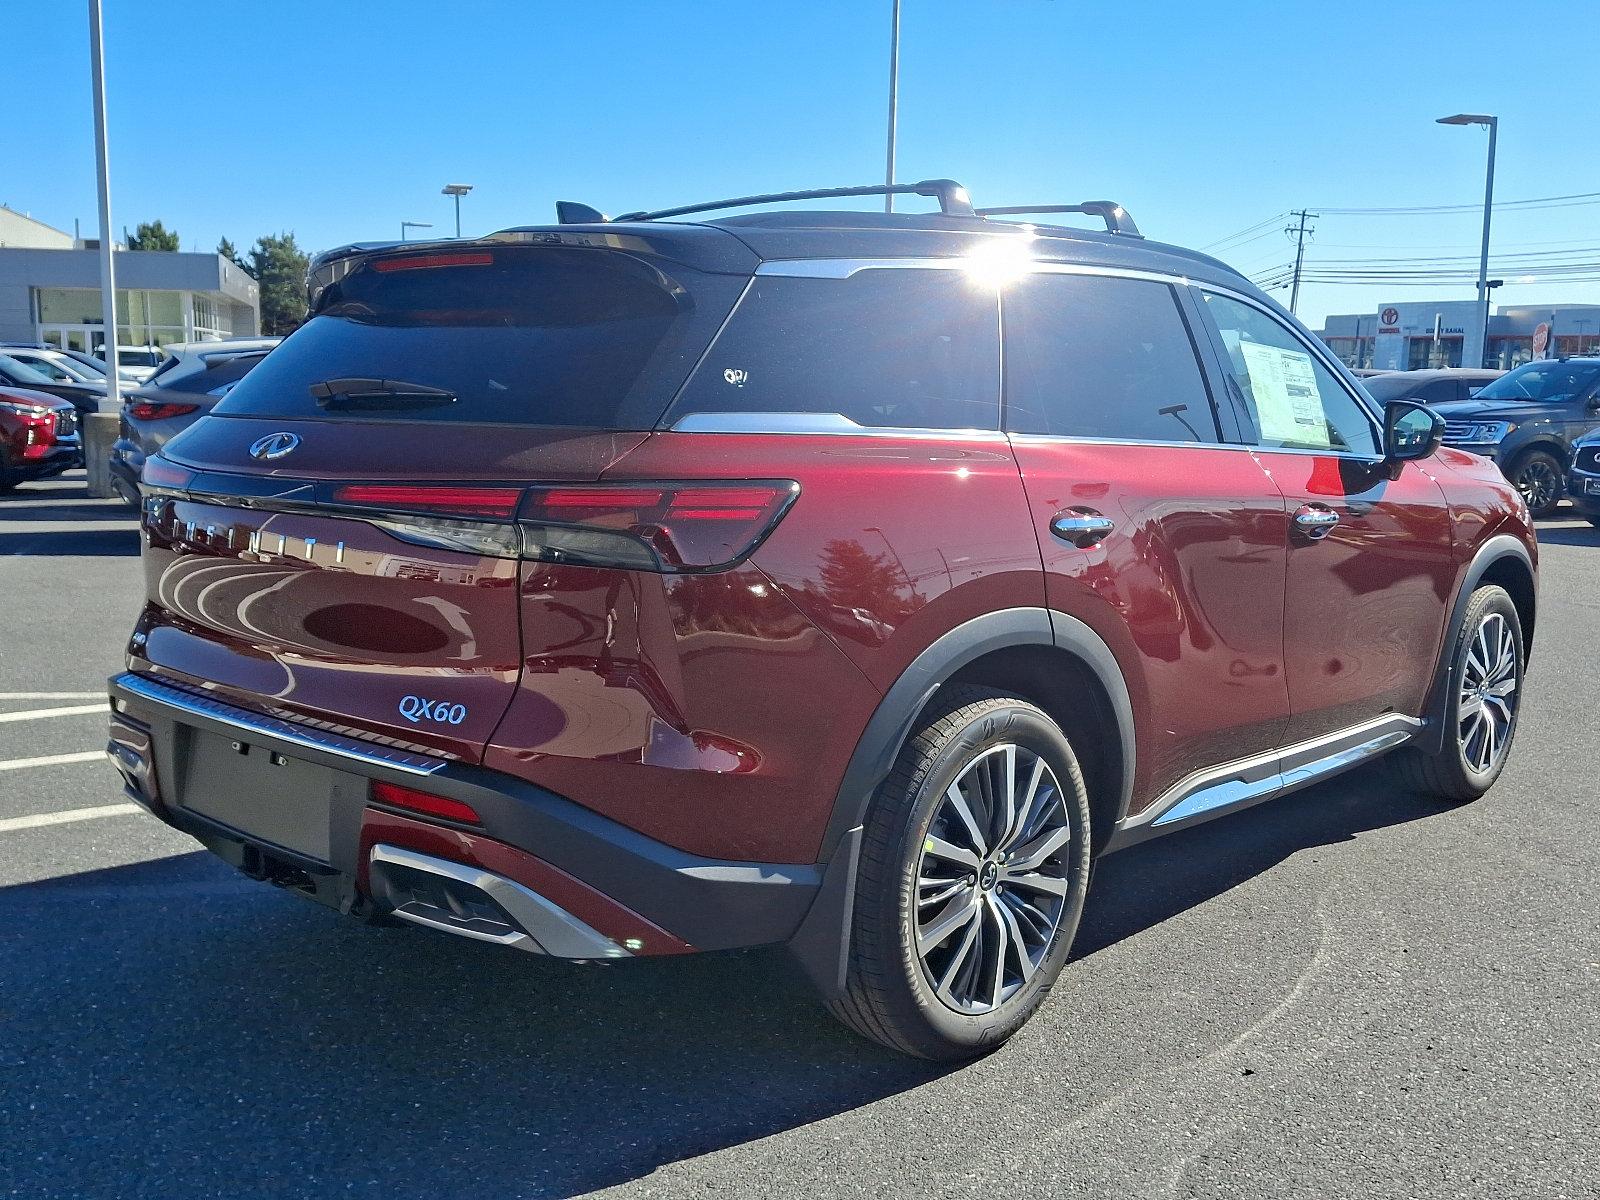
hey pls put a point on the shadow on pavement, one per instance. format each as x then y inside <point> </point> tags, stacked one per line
<point>69,512</point>
<point>208,1035</point>
<point>1569,535</point>
<point>72,543</point>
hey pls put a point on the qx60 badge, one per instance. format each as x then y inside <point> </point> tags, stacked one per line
<point>274,445</point>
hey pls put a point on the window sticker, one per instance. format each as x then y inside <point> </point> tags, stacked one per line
<point>1288,404</point>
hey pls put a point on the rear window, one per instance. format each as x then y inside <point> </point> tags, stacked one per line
<point>519,336</point>
<point>884,348</point>
<point>1384,388</point>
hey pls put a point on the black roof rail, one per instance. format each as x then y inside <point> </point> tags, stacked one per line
<point>1113,214</point>
<point>953,201</point>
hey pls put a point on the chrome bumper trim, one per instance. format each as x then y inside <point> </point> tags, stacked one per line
<point>308,737</point>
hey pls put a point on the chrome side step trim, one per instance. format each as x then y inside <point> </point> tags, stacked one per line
<point>244,721</point>
<point>1240,784</point>
<point>541,925</point>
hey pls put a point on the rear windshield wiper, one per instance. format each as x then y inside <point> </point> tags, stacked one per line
<point>355,393</point>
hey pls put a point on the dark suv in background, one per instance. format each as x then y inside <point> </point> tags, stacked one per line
<point>637,587</point>
<point>1527,421</point>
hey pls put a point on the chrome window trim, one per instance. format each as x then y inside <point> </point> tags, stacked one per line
<point>817,424</point>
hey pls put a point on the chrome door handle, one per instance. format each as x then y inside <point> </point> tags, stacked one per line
<point>1083,527</point>
<point>1315,523</point>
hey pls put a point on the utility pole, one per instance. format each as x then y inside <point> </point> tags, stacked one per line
<point>108,276</point>
<point>894,101</point>
<point>1299,232</point>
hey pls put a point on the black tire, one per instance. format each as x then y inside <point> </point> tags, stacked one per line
<point>8,476</point>
<point>1541,479</point>
<point>1451,774</point>
<point>890,995</point>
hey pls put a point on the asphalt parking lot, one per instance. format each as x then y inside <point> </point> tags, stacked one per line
<point>1346,993</point>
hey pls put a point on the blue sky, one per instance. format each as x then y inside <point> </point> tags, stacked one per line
<point>340,120</point>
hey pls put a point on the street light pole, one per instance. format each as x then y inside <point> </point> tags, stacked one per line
<point>1493,125</point>
<point>894,102</point>
<point>457,190</point>
<point>108,276</point>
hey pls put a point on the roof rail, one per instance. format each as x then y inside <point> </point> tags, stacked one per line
<point>1113,214</point>
<point>953,201</point>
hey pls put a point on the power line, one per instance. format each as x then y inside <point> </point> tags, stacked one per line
<point>1299,254</point>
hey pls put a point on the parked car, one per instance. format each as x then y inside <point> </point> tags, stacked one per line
<point>56,365</point>
<point>1368,372</point>
<point>1585,477</point>
<point>96,367</point>
<point>38,437</point>
<point>1527,420</point>
<point>638,587</point>
<point>84,396</point>
<point>168,405</point>
<point>137,363</point>
<point>1435,386</point>
<point>185,358</point>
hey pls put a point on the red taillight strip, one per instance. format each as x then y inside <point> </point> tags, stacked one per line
<point>422,261</point>
<point>467,501</point>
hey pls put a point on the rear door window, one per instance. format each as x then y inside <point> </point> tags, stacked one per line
<point>1100,357</point>
<point>883,348</point>
<point>510,335</point>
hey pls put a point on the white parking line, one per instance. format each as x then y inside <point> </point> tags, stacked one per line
<point>10,824</point>
<point>51,760</point>
<point>51,695</point>
<point>34,714</point>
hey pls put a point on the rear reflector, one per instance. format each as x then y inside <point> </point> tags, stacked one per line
<point>146,411</point>
<point>418,262</point>
<point>456,501</point>
<point>425,803</point>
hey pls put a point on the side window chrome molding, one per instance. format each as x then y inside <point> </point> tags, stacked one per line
<point>829,423</point>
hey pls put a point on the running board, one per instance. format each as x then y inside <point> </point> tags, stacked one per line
<point>1217,791</point>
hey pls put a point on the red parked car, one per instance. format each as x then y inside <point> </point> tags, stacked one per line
<point>640,587</point>
<point>38,437</point>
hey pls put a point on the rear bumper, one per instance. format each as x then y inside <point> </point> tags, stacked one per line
<point>535,855</point>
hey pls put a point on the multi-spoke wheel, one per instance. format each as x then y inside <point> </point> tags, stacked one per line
<point>1541,480</point>
<point>993,878</point>
<point>974,865</point>
<point>1482,706</point>
<point>1487,702</point>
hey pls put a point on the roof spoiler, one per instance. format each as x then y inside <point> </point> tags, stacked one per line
<point>1113,214</point>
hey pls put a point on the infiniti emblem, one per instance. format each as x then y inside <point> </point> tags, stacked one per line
<point>274,445</point>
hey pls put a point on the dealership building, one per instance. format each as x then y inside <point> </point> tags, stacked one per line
<point>50,291</point>
<point>1409,335</point>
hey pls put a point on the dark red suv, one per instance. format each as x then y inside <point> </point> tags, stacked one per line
<point>847,581</point>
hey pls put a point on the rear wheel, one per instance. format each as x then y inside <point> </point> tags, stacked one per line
<point>8,474</point>
<point>974,866</point>
<point>1481,716</point>
<point>1539,476</point>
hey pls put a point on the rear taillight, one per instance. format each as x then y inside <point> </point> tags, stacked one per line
<point>426,803</point>
<point>145,410</point>
<point>652,526</point>
<point>159,473</point>
<point>670,527</point>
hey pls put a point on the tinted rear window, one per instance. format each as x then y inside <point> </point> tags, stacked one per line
<point>520,336</point>
<point>1384,388</point>
<point>896,349</point>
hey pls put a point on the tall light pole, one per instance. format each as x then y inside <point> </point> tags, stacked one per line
<point>405,225</point>
<point>894,101</point>
<point>1493,125</point>
<point>457,190</point>
<point>108,276</point>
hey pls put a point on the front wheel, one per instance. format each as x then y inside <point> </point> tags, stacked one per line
<point>1541,480</point>
<point>1484,703</point>
<point>974,865</point>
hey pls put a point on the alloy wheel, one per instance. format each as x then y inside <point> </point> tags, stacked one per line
<point>1539,483</point>
<point>1488,697</point>
<point>993,879</point>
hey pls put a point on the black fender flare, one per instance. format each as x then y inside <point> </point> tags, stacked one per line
<point>1495,549</point>
<point>821,944</point>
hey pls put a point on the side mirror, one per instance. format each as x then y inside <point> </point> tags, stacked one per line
<point>1410,430</point>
